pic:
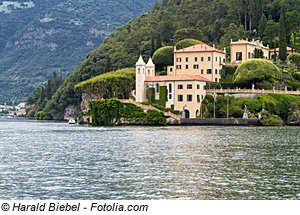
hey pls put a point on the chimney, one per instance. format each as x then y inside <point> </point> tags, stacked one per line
<point>225,50</point>
<point>214,46</point>
<point>230,40</point>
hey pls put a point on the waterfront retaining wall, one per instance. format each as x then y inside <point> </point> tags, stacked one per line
<point>220,122</point>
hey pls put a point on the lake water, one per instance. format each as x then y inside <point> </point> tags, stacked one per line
<point>52,160</point>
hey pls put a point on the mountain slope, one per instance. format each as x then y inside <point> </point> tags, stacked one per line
<point>215,21</point>
<point>43,36</point>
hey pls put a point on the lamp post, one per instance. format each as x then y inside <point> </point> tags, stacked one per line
<point>215,104</point>
<point>227,103</point>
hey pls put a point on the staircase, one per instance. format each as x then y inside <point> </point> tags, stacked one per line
<point>146,107</point>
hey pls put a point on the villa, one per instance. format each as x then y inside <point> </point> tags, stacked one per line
<point>243,50</point>
<point>185,81</point>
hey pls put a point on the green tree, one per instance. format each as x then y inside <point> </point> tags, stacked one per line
<point>256,70</point>
<point>49,90</point>
<point>107,65</point>
<point>189,33</point>
<point>271,32</point>
<point>282,39</point>
<point>163,57</point>
<point>229,33</point>
<point>187,43</point>
<point>158,41</point>
<point>295,58</point>
<point>241,32</point>
<point>262,26</point>
<point>292,19</point>
<point>258,53</point>
<point>152,47</point>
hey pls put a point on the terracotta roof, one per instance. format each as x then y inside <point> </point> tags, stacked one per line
<point>199,48</point>
<point>176,78</point>
<point>287,48</point>
<point>253,43</point>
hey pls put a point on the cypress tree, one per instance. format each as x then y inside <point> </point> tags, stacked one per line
<point>262,26</point>
<point>241,32</point>
<point>282,39</point>
<point>49,90</point>
<point>107,65</point>
<point>274,57</point>
<point>158,41</point>
<point>152,47</point>
<point>42,97</point>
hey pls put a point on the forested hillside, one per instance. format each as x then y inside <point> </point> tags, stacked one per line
<point>38,37</point>
<point>215,21</point>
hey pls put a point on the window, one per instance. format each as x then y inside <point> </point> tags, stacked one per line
<point>249,55</point>
<point>180,98</point>
<point>171,69</point>
<point>252,55</point>
<point>202,72</point>
<point>148,72</point>
<point>170,96</point>
<point>201,97</point>
<point>216,59</point>
<point>157,88</point>
<point>178,66</point>
<point>196,66</point>
<point>220,61</point>
<point>186,59</point>
<point>224,60</point>
<point>239,56</point>
<point>216,71</point>
<point>208,58</point>
<point>208,71</point>
<point>216,80</point>
<point>220,72</point>
<point>189,98</point>
<point>196,59</point>
<point>198,98</point>
<point>187,66</point>
<point>189,86</point>
<point>178,59</point>
<point>220,80</point>
<point>170,88</point>
<point>139,70</point>
<point>198,86</point>
<point>202,58</point>
<point>180,86</point>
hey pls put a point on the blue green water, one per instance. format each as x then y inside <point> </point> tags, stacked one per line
<point>50,160</point>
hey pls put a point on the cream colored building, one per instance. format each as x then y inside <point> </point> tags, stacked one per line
<point>185,91</point>
<point>200,59</point>
<point>288,52</point>
<point>243,50</point>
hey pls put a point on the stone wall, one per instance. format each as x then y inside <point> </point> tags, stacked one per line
<point>220,122</point>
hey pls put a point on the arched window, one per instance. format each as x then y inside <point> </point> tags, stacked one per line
<point>139,71</point>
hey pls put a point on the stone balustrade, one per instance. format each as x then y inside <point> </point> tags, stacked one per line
<point>258,91</point>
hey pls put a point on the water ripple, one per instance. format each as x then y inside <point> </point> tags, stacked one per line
<point>42,160</point>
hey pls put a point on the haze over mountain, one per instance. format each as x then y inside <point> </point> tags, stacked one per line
<point>39,37</point>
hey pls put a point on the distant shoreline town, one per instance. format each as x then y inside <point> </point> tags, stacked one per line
<point>18,110</point>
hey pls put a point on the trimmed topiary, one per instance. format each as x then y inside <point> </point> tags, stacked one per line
<point>163,57</point>
<point>256,70</point>
<point>187,43</point>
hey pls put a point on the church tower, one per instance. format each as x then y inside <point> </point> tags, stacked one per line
<point>140,80</point>
<point>150,68</point>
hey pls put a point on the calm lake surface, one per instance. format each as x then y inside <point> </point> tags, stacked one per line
<point>50,160</point>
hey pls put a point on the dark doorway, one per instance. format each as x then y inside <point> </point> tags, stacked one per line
<point>186,114</point>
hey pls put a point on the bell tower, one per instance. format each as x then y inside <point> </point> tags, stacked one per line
<point>150,68</point>
<point>140,80</point>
